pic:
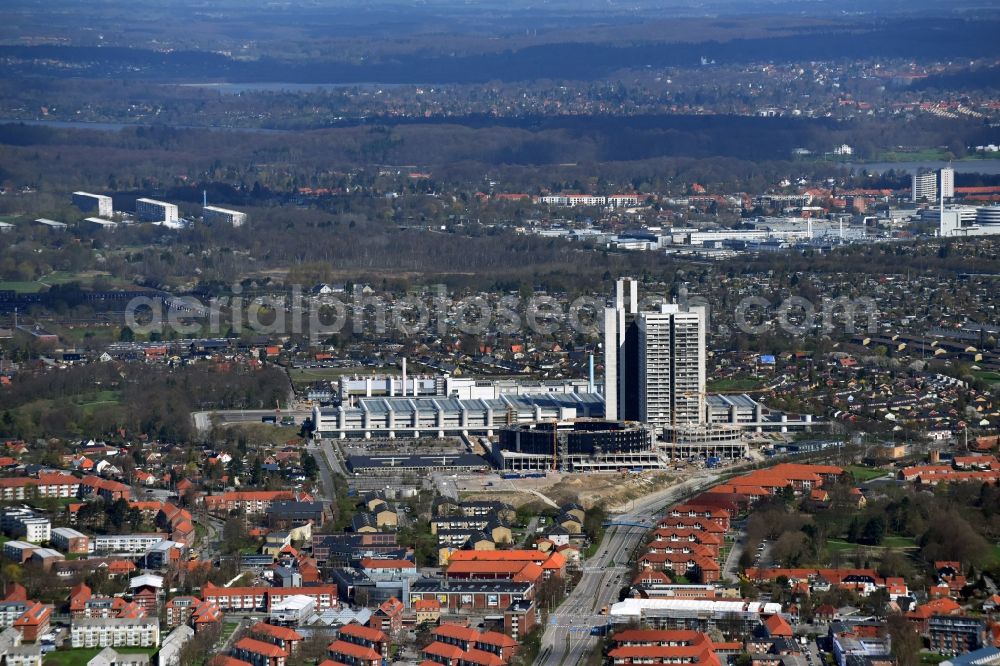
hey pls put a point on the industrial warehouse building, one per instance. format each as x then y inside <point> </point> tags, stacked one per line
<point>414,417</point>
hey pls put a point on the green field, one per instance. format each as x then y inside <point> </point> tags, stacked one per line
<point>228,629</point>
<point>736,384</point>
<point>80,656</point>
<point>88,402</point>
<point>59,277</point>
<point>21,287</point>
<point>987,376</point>
<point>927,154</point>
<point>863,474</point>
<point>307,376</point>
<point>899,542</point>
<point>896,542</point>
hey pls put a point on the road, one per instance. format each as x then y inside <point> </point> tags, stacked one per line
<point>567,638</point>
<point>731,568</point>
<point>328,465</point>
<point>530,533</point>
<point>445,485</point>
<point>203,420</point>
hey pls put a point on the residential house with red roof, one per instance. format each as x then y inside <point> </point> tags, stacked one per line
<point>360,646</point>
<point>653,646</point>
<point>388,617</point>
<point>286,638</point>
<point>251,501</point>
<point>259,653</point>
<point>34,622</point>
<point>460,645</point>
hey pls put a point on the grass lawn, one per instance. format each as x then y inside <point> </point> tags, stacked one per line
<point>843,546</point>
<point>307,376</point>
<point>913,156</point>
<point>80,656</point>
<point>736,384</point>
<point>863,474</point>
<point>834,545</point>
<point>228,629</point>
<point>91,401</point>
<point>60,277</point>
<point>21,287</point>
<point>899,542</point>
<point>200,532</point>
<point>987,376</point>
<point>46,503</point>
<point>996,554</point>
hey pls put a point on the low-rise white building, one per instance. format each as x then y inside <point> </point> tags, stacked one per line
<point>126,543</point>
<point>115,632</point>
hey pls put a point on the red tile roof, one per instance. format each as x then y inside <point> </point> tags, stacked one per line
<point>364,633</point>
<point>274,631</point>
<point>446,650</point>
<point>776,626</point>
<point>456,632</point>
<point>264,648</point>
<point>353,651</point>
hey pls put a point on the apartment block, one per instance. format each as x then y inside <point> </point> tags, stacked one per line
<point>115,632</point>
<point>99,203</point>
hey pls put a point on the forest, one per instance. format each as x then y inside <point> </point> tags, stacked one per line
<point>932,38</point>
<point>147,158</point>
<point>96,400</point>
<point>900,532</point>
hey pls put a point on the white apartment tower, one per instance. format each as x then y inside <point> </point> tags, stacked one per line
<point>672,367</point>
<point>88,202</point>
<point>925,186</point>
<point>654,362</point>
<point>948,183</point>
<point>617,321</point>
<point>214,214</point>
<point>160,212</point>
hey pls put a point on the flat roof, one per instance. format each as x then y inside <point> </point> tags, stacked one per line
<point>426,585</point>
<point>407,405</point>
<point>742,400</point>
<point>437,460</point>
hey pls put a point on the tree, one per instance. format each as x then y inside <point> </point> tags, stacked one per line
<point>310,651</point>
<point>309,465</point>
<point>551,592</point>
<point>234,534</point>
<point>874,530</point>
<point>906,642</point>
